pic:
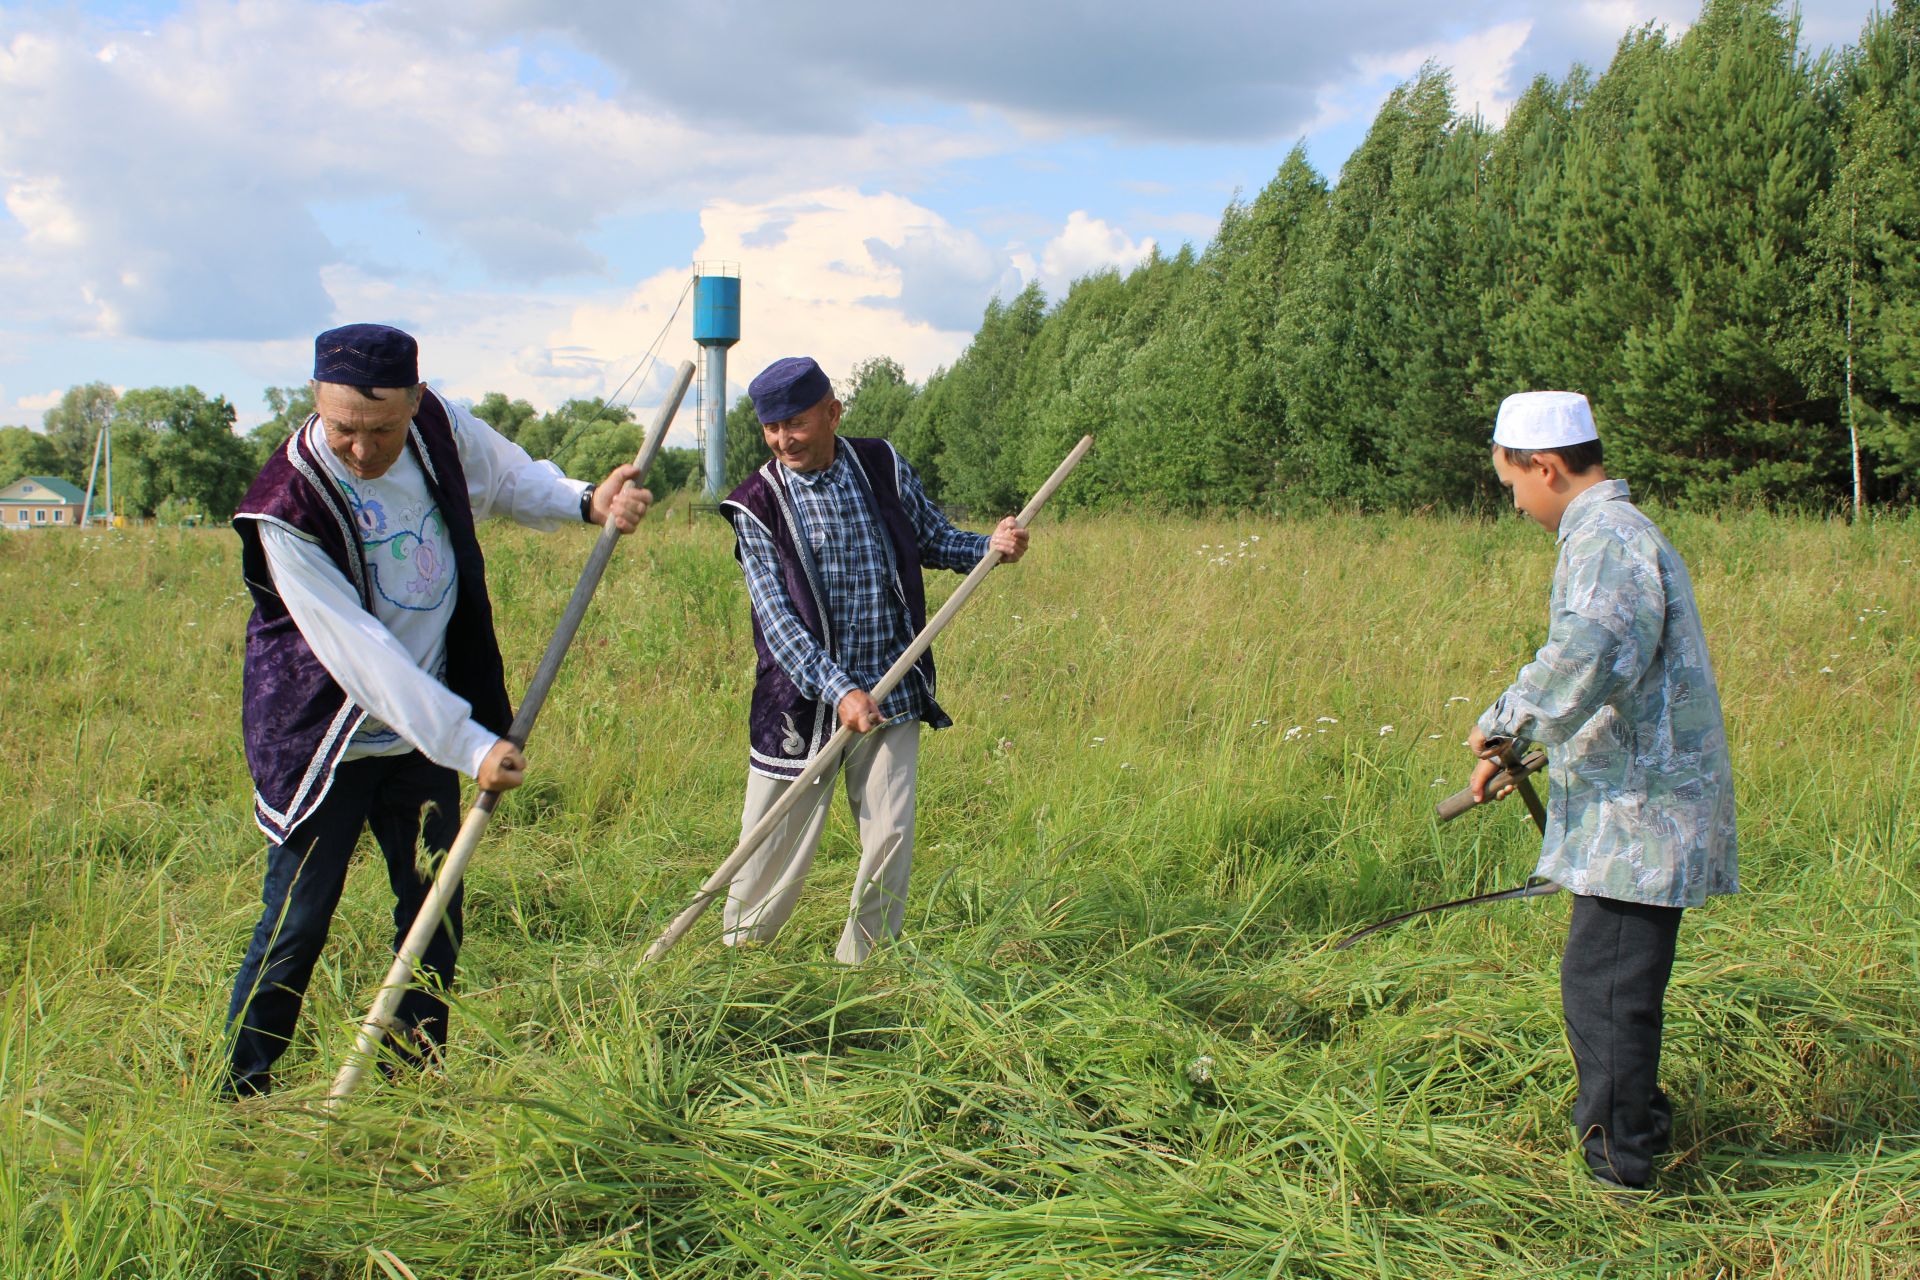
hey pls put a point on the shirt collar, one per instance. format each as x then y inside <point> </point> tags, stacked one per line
<point>317,441</point>
<point>830,473</point>
<point>1588,502</point>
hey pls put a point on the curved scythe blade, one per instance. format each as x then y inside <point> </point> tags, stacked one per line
<point>1535,887</point>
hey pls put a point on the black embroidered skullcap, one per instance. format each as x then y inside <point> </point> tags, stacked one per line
<point>366,355</point>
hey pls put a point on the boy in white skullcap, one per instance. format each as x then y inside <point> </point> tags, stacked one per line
<point>1640,810</point>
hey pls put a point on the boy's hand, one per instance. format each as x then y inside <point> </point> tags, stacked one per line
<point>1489,751</point>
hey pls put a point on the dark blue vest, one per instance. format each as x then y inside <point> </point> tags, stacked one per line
<point>296,721</point>
<point>785,728</point>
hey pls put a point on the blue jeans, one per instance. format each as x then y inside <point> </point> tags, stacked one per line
<point>404,799</point>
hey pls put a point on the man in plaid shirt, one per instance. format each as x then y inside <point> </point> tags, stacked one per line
<point>832,535</point>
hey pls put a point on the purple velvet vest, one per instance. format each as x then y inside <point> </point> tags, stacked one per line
<point>296,721</point>
<point>785,728</point>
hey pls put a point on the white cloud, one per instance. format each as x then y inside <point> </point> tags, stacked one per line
<point>1085,245</point>
<point>946,274</point>
<point>168,190</point>
<point>38,404</point>
<point>850,275</point>
<point>831,287</point>
<point>1481,64</point>
<point>1608,20</point>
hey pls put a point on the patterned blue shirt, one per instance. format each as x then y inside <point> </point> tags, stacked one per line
<point>1640,803</point>
<point>869,620</point>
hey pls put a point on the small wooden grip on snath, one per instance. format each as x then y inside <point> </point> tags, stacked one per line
<point>1516,772</point>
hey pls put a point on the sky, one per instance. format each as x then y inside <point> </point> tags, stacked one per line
<point>193,190</point>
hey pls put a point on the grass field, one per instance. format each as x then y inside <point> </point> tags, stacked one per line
<point>1188,756</point>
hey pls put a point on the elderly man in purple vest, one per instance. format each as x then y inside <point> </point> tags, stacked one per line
<point>372,673</point>
<point>832,534</point>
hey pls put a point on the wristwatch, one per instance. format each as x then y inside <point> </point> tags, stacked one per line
<point>586,505</point>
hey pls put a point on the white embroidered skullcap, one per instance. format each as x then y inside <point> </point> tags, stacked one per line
<point>1544,420</point>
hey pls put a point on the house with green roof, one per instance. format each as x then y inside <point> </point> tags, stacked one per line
<point>40,502</point>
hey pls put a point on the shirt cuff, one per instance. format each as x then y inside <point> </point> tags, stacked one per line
<point>1492,722</point>
<point>475,741</point>
<point>836,686</point>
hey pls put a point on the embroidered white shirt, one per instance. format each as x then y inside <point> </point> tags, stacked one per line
<point>378,658</point>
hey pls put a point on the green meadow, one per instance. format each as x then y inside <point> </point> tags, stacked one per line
<point>1190,755</point>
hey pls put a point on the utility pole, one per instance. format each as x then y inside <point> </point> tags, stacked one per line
<point>86,507</point>
<point>102,447</point>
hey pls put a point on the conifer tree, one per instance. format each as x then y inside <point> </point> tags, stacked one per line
<point>878,398</point>
<point>1357,330</point>
<point>1671,275</point>
<point>979,457</point>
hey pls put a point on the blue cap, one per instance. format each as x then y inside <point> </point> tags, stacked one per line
<point>788,387</point>
<point>366,355</point>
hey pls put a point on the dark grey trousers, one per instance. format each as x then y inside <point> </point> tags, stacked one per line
<point>1613,989</point>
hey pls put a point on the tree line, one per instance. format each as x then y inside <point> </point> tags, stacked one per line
<point>176,456</point>
<point>1717,240</point>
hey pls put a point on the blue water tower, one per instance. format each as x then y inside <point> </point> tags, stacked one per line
<point>716,326</point>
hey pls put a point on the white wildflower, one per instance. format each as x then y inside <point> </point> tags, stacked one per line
<point>1328,720</point>
<point>1200,1070</point>
<point>1385,729</point>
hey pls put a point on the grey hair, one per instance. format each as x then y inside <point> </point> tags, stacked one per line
<point>370,393</point>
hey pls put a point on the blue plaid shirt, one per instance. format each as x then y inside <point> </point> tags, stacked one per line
<point>869,623</point>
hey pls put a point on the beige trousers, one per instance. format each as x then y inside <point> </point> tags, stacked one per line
<point>881,768</point>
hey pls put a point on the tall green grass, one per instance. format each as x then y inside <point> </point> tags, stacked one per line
<point>1116,1042</point>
